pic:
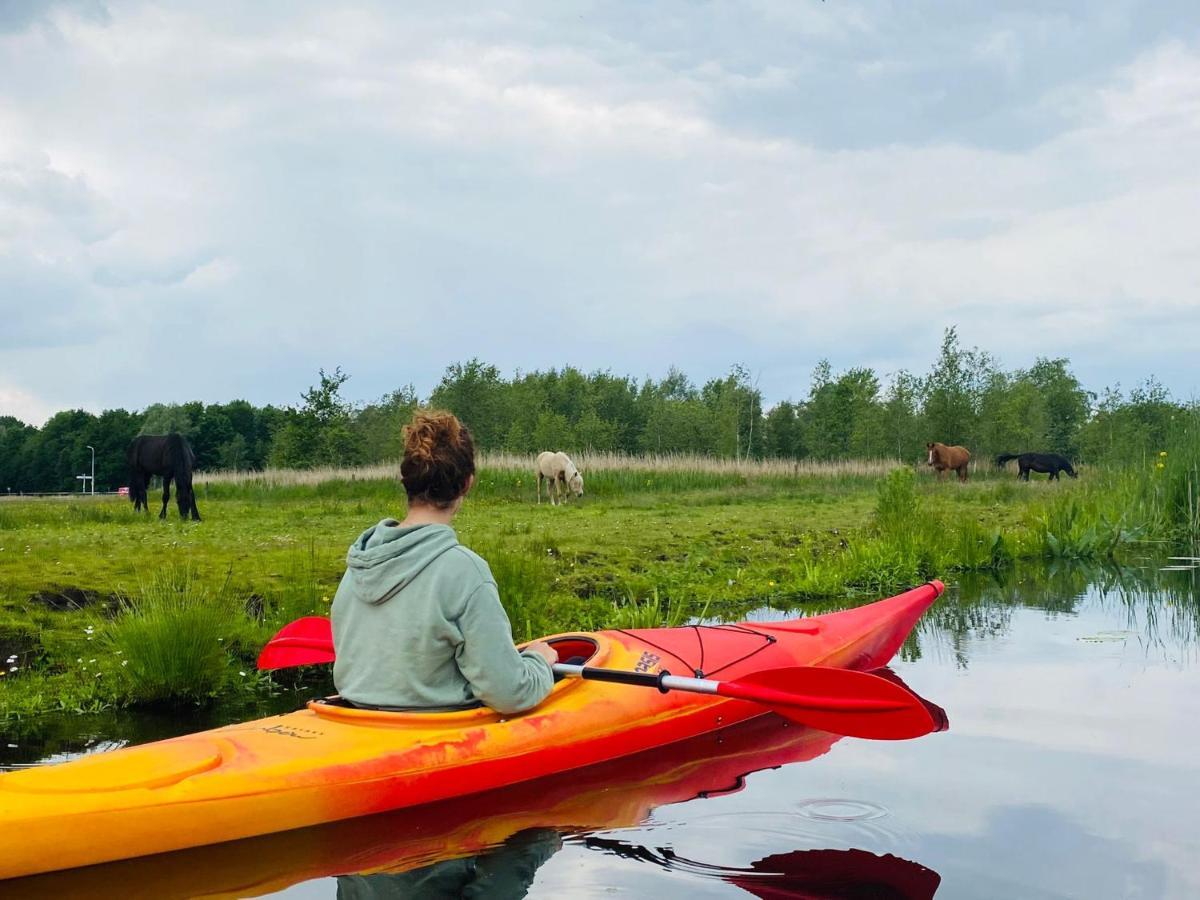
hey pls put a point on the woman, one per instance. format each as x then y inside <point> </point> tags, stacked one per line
<point>417,620</point>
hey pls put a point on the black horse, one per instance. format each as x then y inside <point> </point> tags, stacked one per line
<point>1050,463</point>
<point>167,455</point>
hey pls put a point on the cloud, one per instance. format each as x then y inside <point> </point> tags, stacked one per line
<point>392,190</point>
<point>23,405</point>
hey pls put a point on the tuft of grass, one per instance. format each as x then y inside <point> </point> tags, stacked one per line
<point>171,640</point>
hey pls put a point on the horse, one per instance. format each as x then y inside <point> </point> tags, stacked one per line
<point>560,472</point>
<point>1049,463</point>
<point>170,456</point>
<point>942,458</point>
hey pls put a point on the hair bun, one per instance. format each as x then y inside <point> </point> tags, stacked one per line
<point>429,431</point>
<point>439,457</point>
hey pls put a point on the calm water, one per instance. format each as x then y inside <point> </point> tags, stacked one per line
<point>1070,769</point>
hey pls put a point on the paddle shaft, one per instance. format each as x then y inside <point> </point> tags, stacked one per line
<point>665,681</point>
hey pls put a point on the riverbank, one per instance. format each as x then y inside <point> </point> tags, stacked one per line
<point>100,607</point>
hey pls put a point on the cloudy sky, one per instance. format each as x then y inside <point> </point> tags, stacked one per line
<point>212,200</point>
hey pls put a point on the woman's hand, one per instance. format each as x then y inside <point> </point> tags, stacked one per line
<point>542,649</point>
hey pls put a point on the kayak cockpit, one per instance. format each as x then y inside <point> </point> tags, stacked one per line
<point>576,648</point>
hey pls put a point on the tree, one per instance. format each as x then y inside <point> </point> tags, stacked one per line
<point>14,435</point>
<point>320,432</point>
<point>952,391</point>
<point>1012,415</point>
<point>902,422</point>
<point>163,418</point>
<point>474,392</point>
<point>733,405</point>
<point>1066,404</point>
<point>782,436</point>
<point>843,416</point>
<point>594,433</point>
<point>552,431</point>
<point>380,425</point>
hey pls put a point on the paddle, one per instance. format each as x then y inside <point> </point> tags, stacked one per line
<point>840,701</point>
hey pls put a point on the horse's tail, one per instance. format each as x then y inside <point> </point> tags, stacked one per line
<point>1005,457</point>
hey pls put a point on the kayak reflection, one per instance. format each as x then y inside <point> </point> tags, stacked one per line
<point>507,872</point>
<point>499,837</point>
<point>814,874</point>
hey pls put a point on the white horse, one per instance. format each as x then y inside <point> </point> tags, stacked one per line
<point>561,474</point>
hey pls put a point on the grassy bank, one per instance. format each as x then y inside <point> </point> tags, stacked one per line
<point>100,607</point>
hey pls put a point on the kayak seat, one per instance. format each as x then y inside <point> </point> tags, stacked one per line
<point>577,648</point>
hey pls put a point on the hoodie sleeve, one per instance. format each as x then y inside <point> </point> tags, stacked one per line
<point>500,676</point>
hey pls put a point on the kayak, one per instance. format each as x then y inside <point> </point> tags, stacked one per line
<point>574,805</point>
<point>330,762</point>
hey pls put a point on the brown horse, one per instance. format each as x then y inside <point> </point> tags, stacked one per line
<point>942,458</point>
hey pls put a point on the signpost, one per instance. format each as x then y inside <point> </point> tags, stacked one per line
<point>86,478</point>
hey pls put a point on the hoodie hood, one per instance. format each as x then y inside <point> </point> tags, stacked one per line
<point>386,557</point>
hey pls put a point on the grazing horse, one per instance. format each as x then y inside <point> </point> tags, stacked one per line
<point>942,458</point>
<point>167,455</point>
<point>564,478</point>
<point>1050,463</point>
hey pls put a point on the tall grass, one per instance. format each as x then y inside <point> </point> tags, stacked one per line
<point>1175,483</point>
<point>172,638</point>
<point>524,583</point>
<point>671,464</point>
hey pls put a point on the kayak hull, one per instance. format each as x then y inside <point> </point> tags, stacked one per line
<point>326,763</point>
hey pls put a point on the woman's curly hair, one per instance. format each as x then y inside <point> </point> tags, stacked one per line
<point>439,458</point>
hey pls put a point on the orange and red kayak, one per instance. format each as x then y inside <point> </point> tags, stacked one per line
<point>327,762</point>
<point>617,794</point>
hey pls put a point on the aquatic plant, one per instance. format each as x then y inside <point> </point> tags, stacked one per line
<point>1175,485</point>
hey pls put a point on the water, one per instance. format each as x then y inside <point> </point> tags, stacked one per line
<point>1070,770</point>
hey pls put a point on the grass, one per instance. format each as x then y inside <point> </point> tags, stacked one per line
<point>170,643</point>
<point>176,610</point>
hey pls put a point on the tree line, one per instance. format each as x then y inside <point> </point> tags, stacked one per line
<point>965,398</point>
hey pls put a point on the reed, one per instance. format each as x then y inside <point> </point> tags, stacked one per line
<point>589,463</point>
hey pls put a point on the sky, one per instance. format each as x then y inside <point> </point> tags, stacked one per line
<point>213,200</point>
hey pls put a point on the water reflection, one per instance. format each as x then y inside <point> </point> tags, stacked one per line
<point>507,872</point>
<point>815,874</point>
<point>1159,608</point>
<point>488,845</point>
<point>503,873</point>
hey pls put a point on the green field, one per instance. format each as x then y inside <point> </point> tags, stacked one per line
<point>101,607</point>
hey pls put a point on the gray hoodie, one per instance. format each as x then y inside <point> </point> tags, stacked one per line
<point>417,622</point>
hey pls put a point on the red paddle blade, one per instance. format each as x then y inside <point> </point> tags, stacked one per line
<point>305,642</point>
<point>836,700</point>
